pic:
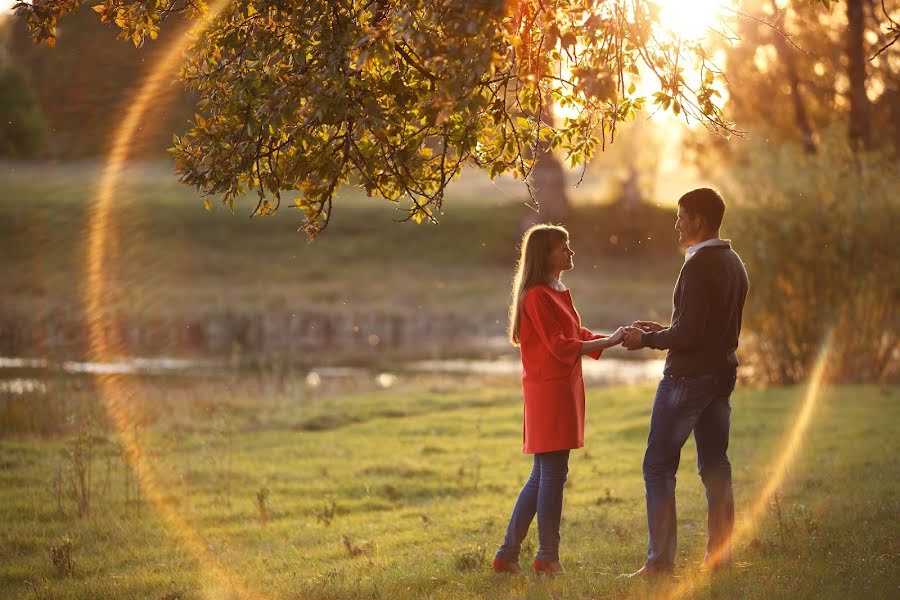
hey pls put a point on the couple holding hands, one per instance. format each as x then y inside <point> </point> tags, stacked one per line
<point>693,394</point>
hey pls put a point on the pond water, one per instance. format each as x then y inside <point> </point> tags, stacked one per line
<point>25,375</point>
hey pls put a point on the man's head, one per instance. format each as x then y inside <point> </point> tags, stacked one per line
<point>700,215</point>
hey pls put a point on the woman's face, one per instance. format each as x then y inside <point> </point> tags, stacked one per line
<point>561,257</point>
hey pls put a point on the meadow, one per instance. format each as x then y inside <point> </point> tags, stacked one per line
<point>171,258</point>
<point>266,485</point>
<point>332,492</point>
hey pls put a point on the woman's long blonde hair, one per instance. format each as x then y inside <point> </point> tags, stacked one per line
<point>533,268</point>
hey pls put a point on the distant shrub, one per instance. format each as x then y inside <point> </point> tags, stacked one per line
<point>62,555</point>
<point>23,130</point>
<point>470,558</point>
<point>353,549</point>
<point>262,504</point>
<point>818,236</point>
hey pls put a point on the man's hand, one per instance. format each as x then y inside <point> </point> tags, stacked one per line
<point>648,326</point>
<point>633,337</point>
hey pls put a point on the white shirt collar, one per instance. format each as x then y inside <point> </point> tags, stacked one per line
<point>710,242</point>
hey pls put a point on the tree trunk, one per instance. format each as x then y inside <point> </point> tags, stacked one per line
<point>860,129</point>
<point>793,77</point>
<point>549,182</point>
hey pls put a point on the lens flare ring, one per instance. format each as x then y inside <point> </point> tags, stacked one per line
<point>116,394</point>
<point>115,391</point>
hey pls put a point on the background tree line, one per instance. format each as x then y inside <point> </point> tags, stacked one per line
<point>71,96</point>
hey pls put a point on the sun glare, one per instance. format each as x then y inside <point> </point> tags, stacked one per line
<point>686,22</point>
<point>688,19</point>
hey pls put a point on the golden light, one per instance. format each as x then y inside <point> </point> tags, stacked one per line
<point>685,22</point>
<point>682,18</point>
<point>688,20</point>
<point>116,392</point>
<point>793,442</point>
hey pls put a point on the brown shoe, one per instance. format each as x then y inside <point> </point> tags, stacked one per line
<point>544,567</point>
<point>505,566</point>
<point>648,572</point>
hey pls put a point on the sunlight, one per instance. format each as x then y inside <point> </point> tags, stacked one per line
<point>752,517</point>
<point>116,393</point>
<point>688,19</point>
<point>688,22</point>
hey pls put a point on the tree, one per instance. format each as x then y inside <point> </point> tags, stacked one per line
<point>396,97</point>
<point>23,130</point>
<point>787,57</point>
<point>860,128</point>
<point>96,74</point>
<point>548,183</point>
<point>800,70</point>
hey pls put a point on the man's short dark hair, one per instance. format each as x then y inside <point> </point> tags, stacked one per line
<point>707,203</point>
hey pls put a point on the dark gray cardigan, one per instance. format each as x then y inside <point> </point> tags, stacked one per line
<point>706,319</point>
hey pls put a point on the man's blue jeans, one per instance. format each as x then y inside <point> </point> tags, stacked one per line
<point>542,494</point>
<point>701,404</point>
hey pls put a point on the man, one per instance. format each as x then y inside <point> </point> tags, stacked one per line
<point>698,379</point>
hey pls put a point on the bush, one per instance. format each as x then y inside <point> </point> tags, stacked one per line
<point>23,131</point>
<point>818,236</point>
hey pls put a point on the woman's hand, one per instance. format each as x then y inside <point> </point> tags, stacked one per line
<point>616,338</point>
<point>603,343</point>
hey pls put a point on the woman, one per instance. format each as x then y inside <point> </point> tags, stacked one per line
<point>545,325</point>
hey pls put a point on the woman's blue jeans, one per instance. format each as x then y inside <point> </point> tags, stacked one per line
<point>541,495</point>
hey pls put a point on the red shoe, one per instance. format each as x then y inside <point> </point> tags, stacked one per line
<point>505,566</point>
<point>549,567</point>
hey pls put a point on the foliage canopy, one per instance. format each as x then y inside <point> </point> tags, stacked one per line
<point>396,97</point>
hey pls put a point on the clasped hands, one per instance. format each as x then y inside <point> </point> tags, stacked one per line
<point>631,336</point>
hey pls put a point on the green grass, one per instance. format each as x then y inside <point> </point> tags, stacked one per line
<point>168,256</point>
<point>419,480</point>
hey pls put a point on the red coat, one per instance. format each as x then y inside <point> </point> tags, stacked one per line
<point>550,336</point>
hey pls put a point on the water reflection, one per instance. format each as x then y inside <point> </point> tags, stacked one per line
<point>129,366</point>
<point>22,386</point>
<point>609,371</point>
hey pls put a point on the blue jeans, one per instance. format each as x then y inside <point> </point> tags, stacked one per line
<point>701,404</point>
<point>542,494</point>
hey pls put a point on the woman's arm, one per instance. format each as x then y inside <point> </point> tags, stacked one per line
<point>589,346</point>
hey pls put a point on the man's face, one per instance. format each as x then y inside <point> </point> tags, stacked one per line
<point>688,226</point>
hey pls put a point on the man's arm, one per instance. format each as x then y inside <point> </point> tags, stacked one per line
<point>685,332</point>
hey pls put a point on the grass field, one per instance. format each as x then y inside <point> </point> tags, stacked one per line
<point>170,256</point>
<point>405,492</point>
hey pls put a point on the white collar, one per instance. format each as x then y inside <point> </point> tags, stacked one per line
<point>706,243</point>
<point>557,285</point>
